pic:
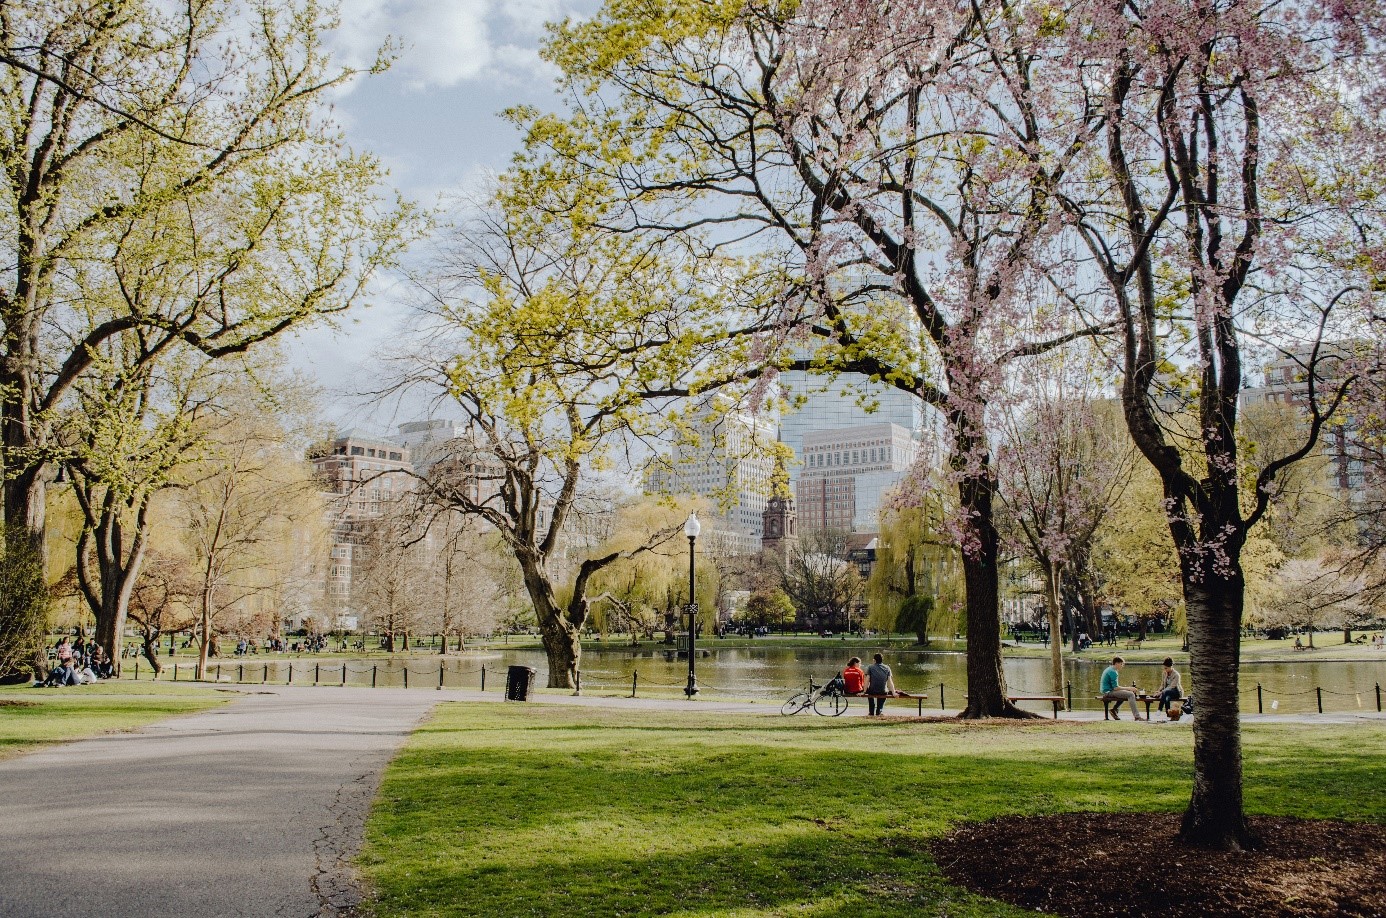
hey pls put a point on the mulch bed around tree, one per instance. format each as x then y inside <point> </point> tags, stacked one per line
<point>1103,864</point>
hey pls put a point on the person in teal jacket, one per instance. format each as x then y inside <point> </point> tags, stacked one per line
<point>1112,691</point>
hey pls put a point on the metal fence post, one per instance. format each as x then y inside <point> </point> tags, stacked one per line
<point>291,673</point>
<point>483,677</point>
<point>941,705</point>
<point>440,675</point>
<point>635,680</point>
<point>374,667</point>
<point>1319,690</point>
<point>1378,696</point>
<point>1260,709</point>
<point>344,673</point>
<point>175,672</point>
<point>316,668</point>
<point>137,679</point>
<point>264,677</point>
<point>240,672</point>
<point>578,674</point>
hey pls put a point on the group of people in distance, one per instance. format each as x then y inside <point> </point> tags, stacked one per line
<point>76,663</point>
<point>876,682</point>
<point>1171,688</point>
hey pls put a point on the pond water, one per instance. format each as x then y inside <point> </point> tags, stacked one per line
<point>768,673</point>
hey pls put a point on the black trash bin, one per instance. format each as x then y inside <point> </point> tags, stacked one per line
<point>519,682</point>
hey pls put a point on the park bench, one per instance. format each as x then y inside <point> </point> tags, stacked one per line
<point>1111,706</point>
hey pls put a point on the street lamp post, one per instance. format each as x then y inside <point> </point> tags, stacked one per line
<point>691,529</point>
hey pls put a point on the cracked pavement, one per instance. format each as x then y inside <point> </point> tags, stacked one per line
<point>252,809</point>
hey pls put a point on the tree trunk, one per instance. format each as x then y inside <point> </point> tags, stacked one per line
<point>206,643</point>
<point>986,682</point>
<point>563,647</point>
<point>1214,818</point>
<point>1053,576</point>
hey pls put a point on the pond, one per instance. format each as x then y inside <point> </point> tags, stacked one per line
<point>770,673</point>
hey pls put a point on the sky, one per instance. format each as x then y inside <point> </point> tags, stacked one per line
<point>434,121</point>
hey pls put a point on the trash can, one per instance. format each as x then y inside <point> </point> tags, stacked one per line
<point>519,681</point>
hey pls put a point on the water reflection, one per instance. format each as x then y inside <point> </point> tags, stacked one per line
<point>766,673</point>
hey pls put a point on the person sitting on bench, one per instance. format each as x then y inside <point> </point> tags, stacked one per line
<point>1111,691</point>
<point>853,679</point>
<point>881,682</point>
<point>1170,689</point>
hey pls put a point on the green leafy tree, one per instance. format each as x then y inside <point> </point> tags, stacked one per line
<point>915,556</point>
<point>567,343</point>
<point>24,601</point>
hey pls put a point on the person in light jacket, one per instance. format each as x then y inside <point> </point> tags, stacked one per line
<point>1170,688</point>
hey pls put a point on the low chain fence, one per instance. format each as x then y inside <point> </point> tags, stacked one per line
<point>420,674</point>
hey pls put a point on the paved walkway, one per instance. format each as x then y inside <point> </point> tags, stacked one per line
<point>254,809</point>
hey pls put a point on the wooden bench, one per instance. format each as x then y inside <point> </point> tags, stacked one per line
<point>1110,706</point>
<point>919,699</point>
<point>1055,700</point>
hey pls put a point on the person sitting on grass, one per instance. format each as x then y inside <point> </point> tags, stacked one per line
<point>853,679</point>
<point>1112,691</point>
<point>1171,689</point>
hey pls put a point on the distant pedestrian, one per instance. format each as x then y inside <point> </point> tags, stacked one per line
<point>879,681</point>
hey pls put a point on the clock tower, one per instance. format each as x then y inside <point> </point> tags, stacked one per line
<point>778,521</point>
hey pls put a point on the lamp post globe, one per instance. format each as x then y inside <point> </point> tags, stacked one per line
<point>691,529</point>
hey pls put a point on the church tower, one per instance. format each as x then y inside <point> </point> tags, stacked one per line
<point>778,522</point>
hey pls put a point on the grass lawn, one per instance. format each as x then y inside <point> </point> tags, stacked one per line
<point>30,717</point>
<point>516,810</point>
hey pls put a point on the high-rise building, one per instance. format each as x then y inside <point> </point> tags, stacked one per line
<point>363,476</point>
<point>727,460</point>
<point>429,441</point>
<point>1286,382</point>
<point>846,472</point>
<point>819,404</point>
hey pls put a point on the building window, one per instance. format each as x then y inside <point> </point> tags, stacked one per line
<point>357,451</point>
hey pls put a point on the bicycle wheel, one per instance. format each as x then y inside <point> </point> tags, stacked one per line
<point>830,705</point>
<point>796,703</point>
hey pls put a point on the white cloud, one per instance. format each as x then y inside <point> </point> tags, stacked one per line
<point>447,42</point>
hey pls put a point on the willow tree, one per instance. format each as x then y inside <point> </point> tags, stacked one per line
<point>899,158</point>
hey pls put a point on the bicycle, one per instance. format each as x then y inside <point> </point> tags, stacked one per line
<point>828,700</point>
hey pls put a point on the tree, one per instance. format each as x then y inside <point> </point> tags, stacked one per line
<point>241,513</point>
<point>634,593</point>
<point>1221,219</point>
<point>170,177</point>
<point>1310,594</point>
<point>819,579</point>
<point>162,603</point>
<point>1062,468</point>
<point>394,575</point>
<point>900,161</point>
<point>24,600</point>
<point>567,343</point>
<point>915,559</point>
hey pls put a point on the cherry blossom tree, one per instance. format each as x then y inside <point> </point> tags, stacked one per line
<point>1063,467</point>
<point>899,159</point>
<point>1231,208</point>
